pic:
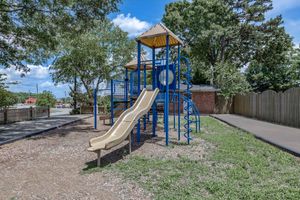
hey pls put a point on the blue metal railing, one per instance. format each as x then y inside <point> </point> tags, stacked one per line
<point>122,97</point>
<point>187,97</point>
<point>194,111</point>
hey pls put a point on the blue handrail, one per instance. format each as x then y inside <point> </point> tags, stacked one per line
<point>187,94</point>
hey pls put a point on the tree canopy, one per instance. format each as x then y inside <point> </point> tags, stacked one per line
<point>7,98</point>
<point>30,29</point>
<point>278,75</point>
<point>93,56</point>
<point>222,32</point>
<point>2,80</point>
<point>46,98</point>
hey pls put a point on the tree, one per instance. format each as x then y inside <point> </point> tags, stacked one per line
<point>231,81</point>
<point>30,29</point>
<point>2,80</point>
<point>93,56</point>
<point>225,31</point>
<point>270,67</point>
<point>46,98</point>
<point>199,75</point>
<point>7,98</point>
<point>295,65</point>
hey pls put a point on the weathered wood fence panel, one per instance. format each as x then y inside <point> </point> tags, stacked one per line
<point>11,115</point>
<point>282,107</point>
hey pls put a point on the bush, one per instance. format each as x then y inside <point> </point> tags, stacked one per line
<point>105,103</point>
<point>46,98</point>
<point>75,111</point>
<point>7,98</point>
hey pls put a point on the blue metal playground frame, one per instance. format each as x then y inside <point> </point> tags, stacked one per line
<point>133,87</point>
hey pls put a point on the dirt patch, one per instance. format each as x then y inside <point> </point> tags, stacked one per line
<point>49,167</point>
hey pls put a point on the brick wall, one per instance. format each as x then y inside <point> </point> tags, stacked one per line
<point>205,101</point>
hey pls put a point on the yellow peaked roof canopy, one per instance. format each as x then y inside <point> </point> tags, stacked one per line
<point>155,37</point>
<point>133,63</point>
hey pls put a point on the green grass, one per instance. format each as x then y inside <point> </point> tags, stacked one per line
<point>237,167</point>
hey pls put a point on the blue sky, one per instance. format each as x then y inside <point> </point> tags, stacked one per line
<point>134,17</point>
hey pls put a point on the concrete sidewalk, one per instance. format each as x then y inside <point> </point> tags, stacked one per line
<point>20,130</point>
<point>285,137</point>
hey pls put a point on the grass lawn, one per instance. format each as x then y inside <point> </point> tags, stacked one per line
<point>237,166</point>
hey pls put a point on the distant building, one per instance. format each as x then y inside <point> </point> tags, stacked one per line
<point>204,97</point>
<point>30,100</point>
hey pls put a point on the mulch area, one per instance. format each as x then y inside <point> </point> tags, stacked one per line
<point>50,166</point>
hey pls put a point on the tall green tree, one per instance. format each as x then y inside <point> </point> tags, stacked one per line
<point>2,80</point>
<point>93,56</point>
<point>231,81</point>
<point>279,74</point>
<point>30,29</point>
<point>295,62</point>
<point>7,98</point>
<point>46,98</point>
<point>271,66</point>
<point>221,32</point>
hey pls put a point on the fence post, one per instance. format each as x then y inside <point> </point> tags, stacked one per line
<point>31,113</point>
<point>48,109</point>
<point>5,115</point>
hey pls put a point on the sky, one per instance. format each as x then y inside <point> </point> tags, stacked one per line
<point>135,17</point>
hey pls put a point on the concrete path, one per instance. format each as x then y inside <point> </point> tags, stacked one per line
<point>285,137</point>
<point>20,130</point>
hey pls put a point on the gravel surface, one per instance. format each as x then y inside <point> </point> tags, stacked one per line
<point>50,167</point>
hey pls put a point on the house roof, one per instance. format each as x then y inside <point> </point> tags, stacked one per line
<point>200,88</point>
<point>155,37</point>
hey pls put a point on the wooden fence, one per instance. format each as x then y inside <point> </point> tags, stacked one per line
<point>11,115</point>
<point>282,108</point>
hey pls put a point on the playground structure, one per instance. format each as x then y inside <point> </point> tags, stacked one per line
<point>165,88</point>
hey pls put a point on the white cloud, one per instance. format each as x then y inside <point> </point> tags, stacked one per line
<point>38,71</point>
<point>11,73</point>
<point>132,25</point>
<point>38,75</point>
<point>50,84</point>
<point>47,84</point>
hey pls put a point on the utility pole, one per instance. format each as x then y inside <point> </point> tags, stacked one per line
<point>37,88</point>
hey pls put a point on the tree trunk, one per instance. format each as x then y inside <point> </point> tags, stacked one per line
<point>75,93</point>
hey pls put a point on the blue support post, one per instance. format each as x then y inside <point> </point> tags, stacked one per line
<point>178,95</point>
<point>153,87</point>
<point>95,109</point>
<point>126,88</point>
<point>138,134</point>
<point>145,117</point>
<point>174,111</point>
<point>166,113</point>
<point>131,88</point>
<point>112,102</point>
<point>131,101</point>
<point>188,121</point>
